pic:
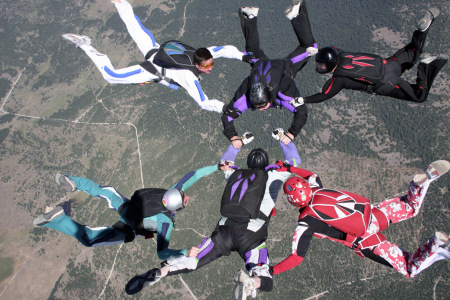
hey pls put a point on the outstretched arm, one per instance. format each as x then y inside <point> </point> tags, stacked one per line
<point>227,51</point>
<point>331,88</point>
<point>300,244</point>
<point>192,177</point>
<point>165,226</point>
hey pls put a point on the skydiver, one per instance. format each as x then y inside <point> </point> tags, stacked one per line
<point>351,220</point>
<point>148,211</point>
<point>151,72</point>
<point>271,82</point>
<point>247,203</point>
<point>372,74</point>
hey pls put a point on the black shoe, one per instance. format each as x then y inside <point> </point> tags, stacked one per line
<point>138,282</point>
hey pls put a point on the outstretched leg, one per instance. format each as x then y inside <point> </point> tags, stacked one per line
<point>298,15</point>
<point>175,265</point>
<point>89,237</point>
<point>143,38</point>
<point>411,264</point>
<point>408,206</point>
<point>131,75</point>
<point>249,25</point>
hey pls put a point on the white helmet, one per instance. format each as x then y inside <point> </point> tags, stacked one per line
<point>173,199</point>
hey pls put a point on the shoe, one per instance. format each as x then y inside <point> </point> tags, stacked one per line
<point>426,58</point>
<point>65,182</point>
<point>249,12</point>
<point>244,286</point>
<point>278,133</point>
<point>49,215</point>
<point>435,170</point>
<point>247,138</point>
<point>293,10</point>
<point>428,18</point>
<point>78,40</point>
<point>138,282</point>
<point>443,237</point>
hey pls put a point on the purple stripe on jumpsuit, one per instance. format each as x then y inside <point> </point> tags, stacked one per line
<point>206,250</point>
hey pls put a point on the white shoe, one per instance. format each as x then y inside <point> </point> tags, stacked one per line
<point>249,12</point>
<point>244,286</point>
<point>443,237</point>
<point>49,214</point>
<point>278,133</point>
<point>65,182</point>
<point>435,170</point>
<point>78,40</point>
<point>293,10</point>
<point>428,18</point>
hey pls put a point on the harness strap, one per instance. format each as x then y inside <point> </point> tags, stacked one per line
<point>381,218</point>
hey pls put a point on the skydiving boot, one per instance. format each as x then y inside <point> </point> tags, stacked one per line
<point>249,12</point>
<point>78,40</point>
<point>443,237</point>
<point>65,182</point>
<point>428,68</point>
<point>428,18</point>
<point>49,215</point>
<point>244,286</point>
<point>293,10</point>
<point>435,170</point>
<point>138,282</point>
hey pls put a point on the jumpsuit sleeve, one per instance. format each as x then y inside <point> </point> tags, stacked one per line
<point>227,51</point>
<point>192,85</point>
<point>234,109</point>
<point>164,230</point>
<point>300,243</point>
<point>331,88</point>
<point>192,177</point>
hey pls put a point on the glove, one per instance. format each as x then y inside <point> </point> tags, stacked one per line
<point>247,137</point>
<point>296,102</point>
<point>284,167</point>
<point>247,57</point>
<point>278,133</point>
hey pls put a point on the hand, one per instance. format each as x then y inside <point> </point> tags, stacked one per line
<point>287,138</point>
<point>296,102</point>
<point>192,252</point>
<point>236,142</point>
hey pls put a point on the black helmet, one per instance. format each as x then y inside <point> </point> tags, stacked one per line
<point>257,159</point>
<point>326,60</point>
<point>259,95</point>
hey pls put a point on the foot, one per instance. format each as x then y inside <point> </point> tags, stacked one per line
<point>443,237</point>
<point>49,215</point>
<point>138,282</point>
<point>293,10</point>
<point>278,133</point>
<point>78,40</point>
<point>428,18</point>
<point>65,182</point>
<point>244,286</point>
<point>247,137</point>
<point>249,12</point>
<point>435,170</point>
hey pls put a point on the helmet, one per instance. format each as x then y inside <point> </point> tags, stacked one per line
<point>298,191</point>
<point>173,199</point>
<point>326,60</point>
<point>257,159</point>
<point>259,95</point>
